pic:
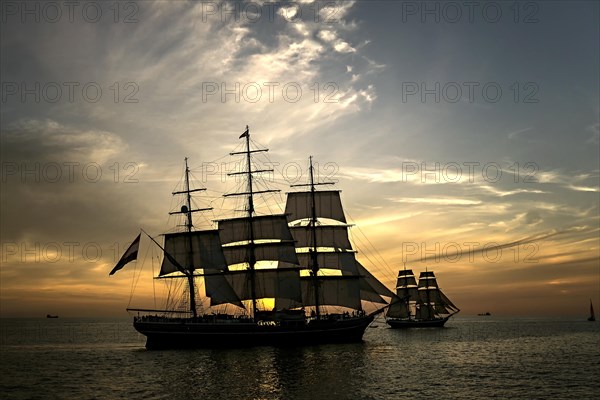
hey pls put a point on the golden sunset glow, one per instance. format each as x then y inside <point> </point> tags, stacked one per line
<point>500,197</point>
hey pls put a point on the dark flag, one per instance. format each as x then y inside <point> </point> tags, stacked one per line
<point>129,255</point>
<point>246,132</point>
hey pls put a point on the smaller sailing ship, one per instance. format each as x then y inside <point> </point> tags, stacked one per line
<point>421,305</point>
<point>592,316</point>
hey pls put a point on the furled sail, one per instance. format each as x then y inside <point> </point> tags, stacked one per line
<point>205,251</point>
<point>327,205</point>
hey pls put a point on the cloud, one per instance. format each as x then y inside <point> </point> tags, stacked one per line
<point>437,201</point>
<point>564,234</point>
<point>514,134</point>
<point>47,139</point>
<point>502,193</point>
<point>343,47</point>
<point>533,217</point>
<point>326,36</point>
<point>584,188</point>
<point>595,130</point>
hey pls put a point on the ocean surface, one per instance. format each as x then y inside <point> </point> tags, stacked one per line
<point>471,358</point>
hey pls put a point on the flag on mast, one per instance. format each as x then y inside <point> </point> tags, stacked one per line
<point>246,132</point>
<point>129,255</point>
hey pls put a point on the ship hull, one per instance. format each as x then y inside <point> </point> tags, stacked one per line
<point>165,333</point>
<point>412,323</point>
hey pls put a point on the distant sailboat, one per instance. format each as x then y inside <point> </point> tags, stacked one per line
<point>422,305</point>
<point>592,316</point>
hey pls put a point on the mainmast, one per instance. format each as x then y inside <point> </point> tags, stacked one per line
<point>187,210</point>
<point>251,255</point>
<point>250,210</point>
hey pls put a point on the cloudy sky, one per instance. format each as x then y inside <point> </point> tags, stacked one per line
<point>465,138</point>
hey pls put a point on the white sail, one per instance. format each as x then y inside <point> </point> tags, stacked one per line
<point>205,251</point>
<point>425,311</point>
<point>335,236</point>
<point>430,296</point>
<point>333,291</point>
<point>427,280</point>
<point>344,261</point>
<point>406,285</point>
<point>447,303</point>
<point>327,205</point>
<point>263,227</point>
<point>440,309</point>
<point>277,251</point>
<point>370,287</point>
<point>270,283</point>
<point>219,290</point>
<point>398,309</point>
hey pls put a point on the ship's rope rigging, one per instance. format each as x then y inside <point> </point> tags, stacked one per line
<point>266,203</point>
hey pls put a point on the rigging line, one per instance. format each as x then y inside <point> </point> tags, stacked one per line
<point>387,270</point>
<point>377,253</point>
<point>153,283</point>
<point>131,290</point>
<point>201,166</point>
<point>134,286</point>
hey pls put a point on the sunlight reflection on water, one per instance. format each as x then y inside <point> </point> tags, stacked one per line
<point>471,358</point>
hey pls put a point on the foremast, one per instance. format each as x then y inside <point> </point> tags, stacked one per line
<point>406,290</point>
<point>188,211</point>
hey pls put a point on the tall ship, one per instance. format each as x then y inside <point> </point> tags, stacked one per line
<point>421,305</point>
<point>262,278</point>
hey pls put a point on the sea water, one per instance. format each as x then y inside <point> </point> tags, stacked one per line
<point>471,358</point>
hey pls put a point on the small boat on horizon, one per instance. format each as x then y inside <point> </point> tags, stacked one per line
<point>51,316</point>
<point>485,314</point>
<point>592,316</point>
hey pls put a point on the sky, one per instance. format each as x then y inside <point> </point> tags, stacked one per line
<point>464,136</point>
